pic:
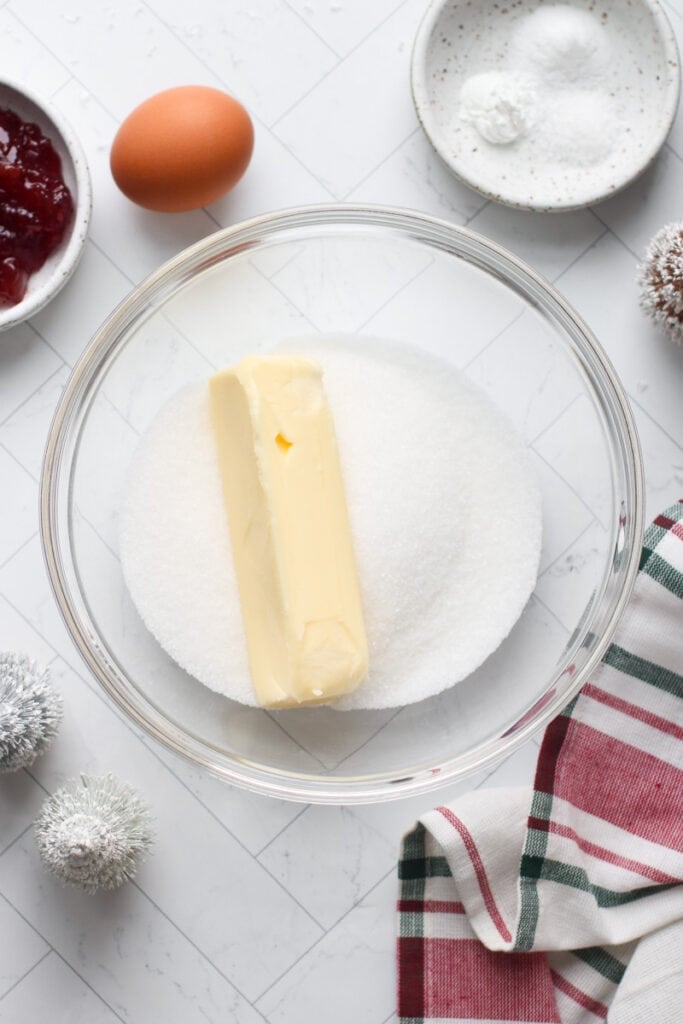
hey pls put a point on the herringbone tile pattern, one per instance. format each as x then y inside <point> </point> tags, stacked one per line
<point>253,910</point>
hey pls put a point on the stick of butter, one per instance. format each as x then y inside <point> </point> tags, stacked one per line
<point>289,527</point>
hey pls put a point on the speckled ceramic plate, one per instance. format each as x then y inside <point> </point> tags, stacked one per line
<point>45,283</point>
<point>641,82</point>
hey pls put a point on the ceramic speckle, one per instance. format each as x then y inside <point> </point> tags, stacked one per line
<point>59,266</point>
<point>457,39</point>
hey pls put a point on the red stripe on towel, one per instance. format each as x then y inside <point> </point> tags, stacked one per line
<point>633,710</point>
<point>465,980</point>
<point>601,853</point>
<point>592,1005</point>
<point>477,864</point>
<point>612,780</point>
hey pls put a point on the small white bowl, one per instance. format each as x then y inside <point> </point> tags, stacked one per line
<point>457,39</point>
<point>44,284</point>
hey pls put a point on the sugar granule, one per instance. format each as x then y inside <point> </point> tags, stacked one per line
<point>444,509</point>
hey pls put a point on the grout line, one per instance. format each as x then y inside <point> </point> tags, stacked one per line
<point>501,332</point>
<point>673,152</point>
<point>88,985</point>
<point>10,454</point>
<point>32,625</point>
<point>348,195</point>
<point>104,397</point>
<point>163,913</point>
<point>49,345</point>
<point>214,816</point>
<point>583,252</point>
<point>201,952</point>
<point>117,120</point>
<point>16,551</point>
<point>272,281</point>
<point>65,84</point>
<point>549,610</point>
<point>654,421</point>
<point>112,262</point>
<point>215,220</point>
<point>67,68</point>
<point>99,536</point>
<point>491,770</point>
<point>294,739</point>
<point>311,28</point>
<point>280,832</point>
<point>98,691</point>
<point>257,120</point>
<point>568,548</point>
<point>115,707</point>
<point>56,952</point>
<point>370,738</point>
<point>553,421</point>
<point>79,81</point>
<point>566,483</point>
<point>615,236</point>
<point>328,73</point>
<point>317,942</point>
<point>26,973</point>
<point>143,738</point>
<point>290,259</point>
<point>406,284</point>
<point>38,782</point>
<point>21,834</point>
<point>181,333</point>
<point>487,202</point>
<point>28,398</point>
<point>170,28</point>
<point>135,281</point>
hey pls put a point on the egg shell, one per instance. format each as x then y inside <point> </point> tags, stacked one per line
<point>182,148</point>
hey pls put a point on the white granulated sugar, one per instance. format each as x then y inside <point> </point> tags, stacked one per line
<point>502,107</point>
<point>579,127</point>
<point>561,46</point>
<point>444,510</point>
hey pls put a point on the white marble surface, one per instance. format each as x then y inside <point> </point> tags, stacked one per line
<point>252,910</point>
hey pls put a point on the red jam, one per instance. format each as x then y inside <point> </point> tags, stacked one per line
<point>36,206</point>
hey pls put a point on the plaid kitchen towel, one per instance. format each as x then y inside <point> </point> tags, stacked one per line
<point>563,905</point>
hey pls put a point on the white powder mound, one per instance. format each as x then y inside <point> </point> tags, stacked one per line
<point>502,107</point>
<point>562,46</point>
<point>444,509</point>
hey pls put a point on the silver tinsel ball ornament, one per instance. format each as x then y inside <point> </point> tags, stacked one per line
<point>93,833</point>
<point>30,711</point>
<point>660,277</point>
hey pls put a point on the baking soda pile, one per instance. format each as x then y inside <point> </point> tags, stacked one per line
<point>444,510</point>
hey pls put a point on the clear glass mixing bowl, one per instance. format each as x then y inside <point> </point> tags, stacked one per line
<point>386,273</point>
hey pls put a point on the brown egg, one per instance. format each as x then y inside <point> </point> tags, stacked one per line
<point>182,148</point>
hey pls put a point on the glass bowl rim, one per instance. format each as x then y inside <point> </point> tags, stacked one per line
<point>223,245</point>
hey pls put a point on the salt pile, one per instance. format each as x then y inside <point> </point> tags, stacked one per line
<point>444,509</point>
